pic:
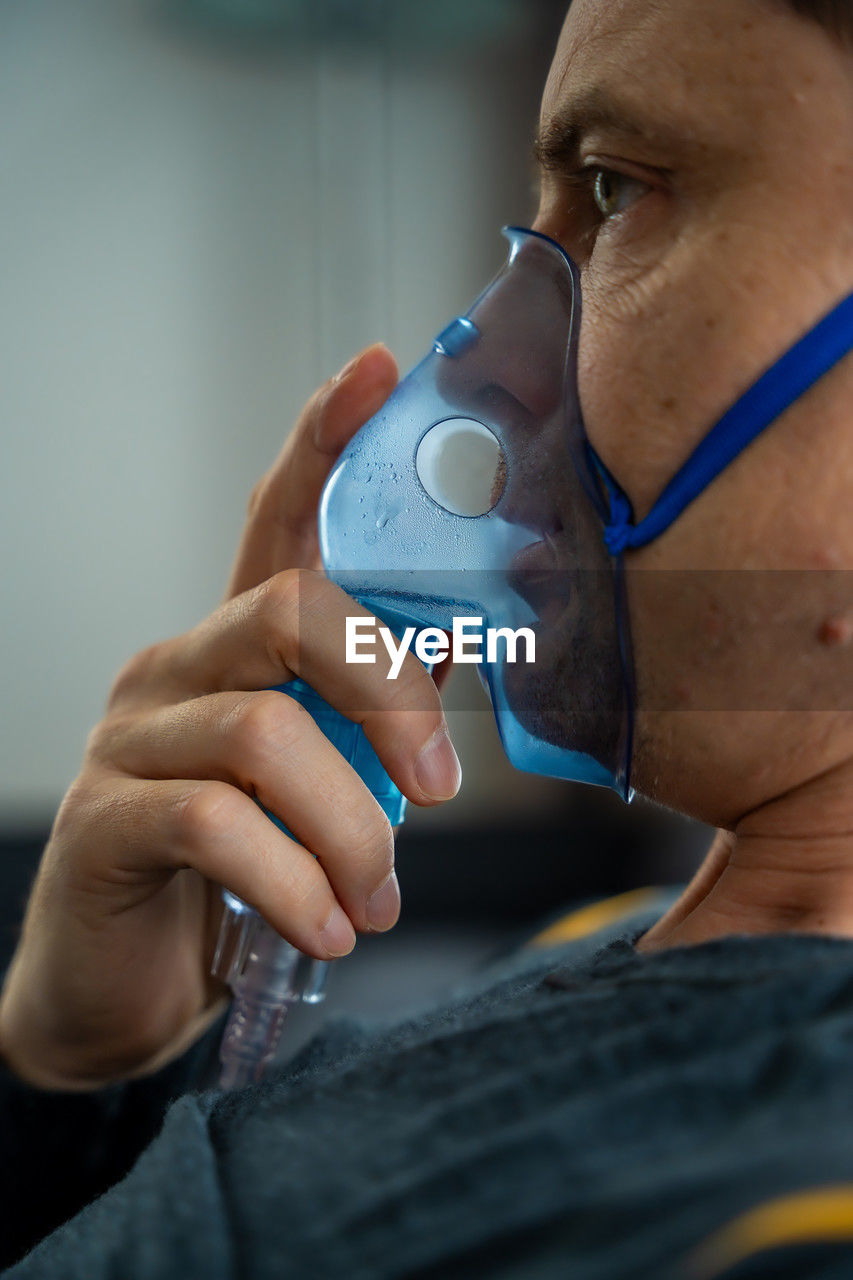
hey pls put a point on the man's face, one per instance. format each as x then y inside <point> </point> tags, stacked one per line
<point>698,166</point>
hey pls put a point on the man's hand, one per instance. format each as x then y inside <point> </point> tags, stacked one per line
<point>111,974</point>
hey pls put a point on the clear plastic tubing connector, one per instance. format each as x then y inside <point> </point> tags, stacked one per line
<point>265,973</point>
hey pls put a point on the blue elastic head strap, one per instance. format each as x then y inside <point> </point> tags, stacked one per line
<point>789,378</point>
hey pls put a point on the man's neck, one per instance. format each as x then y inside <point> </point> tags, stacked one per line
<point>786,868</point>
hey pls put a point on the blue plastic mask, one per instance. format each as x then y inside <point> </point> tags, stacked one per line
<point>461,498</point>
<point>475,491</point>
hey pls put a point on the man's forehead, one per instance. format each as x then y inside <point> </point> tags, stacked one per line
<point>612,50</point>
<point>607,26</point>
<point>601,76</point>
<point>681,63</point>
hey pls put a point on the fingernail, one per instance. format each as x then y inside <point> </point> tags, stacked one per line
<point>437,768</point>
<point>337,934</point>
<point>383,906</point>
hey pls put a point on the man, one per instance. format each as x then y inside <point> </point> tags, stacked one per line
<point>580,1116</point>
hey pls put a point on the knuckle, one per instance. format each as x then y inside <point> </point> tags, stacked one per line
<point>136,672</point>
<point>103,739</point>
<point>260,725</point>
<point>280,594</point>
<point>93,808</point>
<point>283,602</point>
<point>75,805</point>
<point>203,812</point>
<point>100,740</point>
<point>291,588</point>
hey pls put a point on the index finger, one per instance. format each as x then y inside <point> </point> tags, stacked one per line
<point>281,527</point>
<point>295,623</point>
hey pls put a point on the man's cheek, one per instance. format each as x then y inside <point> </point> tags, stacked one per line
<point>655,371</point>
<point>632,410</point>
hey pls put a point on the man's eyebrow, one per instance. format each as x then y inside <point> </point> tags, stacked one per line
<point>558,139</point>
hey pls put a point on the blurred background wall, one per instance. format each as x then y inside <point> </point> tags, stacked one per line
<point>208,206</point>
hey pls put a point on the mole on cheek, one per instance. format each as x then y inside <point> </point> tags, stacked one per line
<point>836,631</point>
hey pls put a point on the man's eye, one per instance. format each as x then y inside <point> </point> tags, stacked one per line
<point>613,192</point>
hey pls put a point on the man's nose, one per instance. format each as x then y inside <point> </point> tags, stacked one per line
<point>518,353</point>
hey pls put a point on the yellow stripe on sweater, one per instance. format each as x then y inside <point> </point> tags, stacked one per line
<point>598,915</point>
<point>823,1216</point>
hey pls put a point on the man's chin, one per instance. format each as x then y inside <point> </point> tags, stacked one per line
<point>559,702</point>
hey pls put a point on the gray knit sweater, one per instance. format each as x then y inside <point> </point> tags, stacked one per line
<point>588,1113</point>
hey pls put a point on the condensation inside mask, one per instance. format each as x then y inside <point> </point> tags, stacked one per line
<point>469,494</point>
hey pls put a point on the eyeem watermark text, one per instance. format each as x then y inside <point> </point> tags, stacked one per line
<point>468,642</point>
